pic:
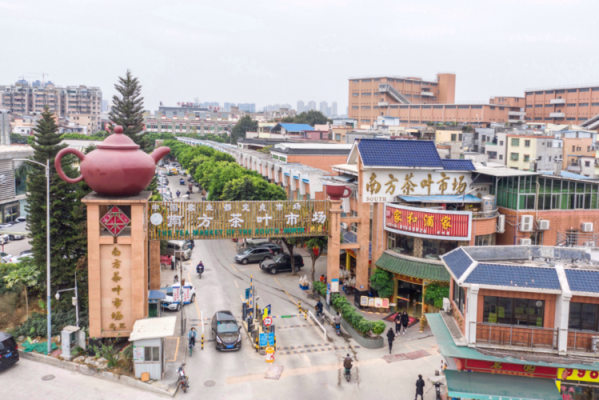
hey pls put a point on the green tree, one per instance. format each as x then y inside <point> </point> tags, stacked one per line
<point>67,214</point>
<point>244,125</point>
<point>18,139</point>
<point>127,110</point>
<point>382,282</point>
<point>319,243</point>
<point>251,189</point>
<point>23,273</point>
<point>311,118</point>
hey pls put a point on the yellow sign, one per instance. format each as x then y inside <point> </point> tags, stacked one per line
<point>582,375</point>
<point>238,219</point>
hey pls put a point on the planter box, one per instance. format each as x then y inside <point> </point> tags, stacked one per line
<point>366,342</point>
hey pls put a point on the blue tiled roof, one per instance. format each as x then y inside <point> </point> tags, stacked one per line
<point>583,280</point>
<point>516,276</point>
<point>297,127</point>
<point>457,261</point>
<point>458,165</point>
<point>399,153</point>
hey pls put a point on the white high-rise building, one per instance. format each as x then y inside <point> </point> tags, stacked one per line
<point>324,108</point>
<point>333,109</point>
<point>300,107</point>
<point>311,105</point>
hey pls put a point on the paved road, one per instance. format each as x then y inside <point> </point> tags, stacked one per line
<point>15,247</point>
<point>24,381</point>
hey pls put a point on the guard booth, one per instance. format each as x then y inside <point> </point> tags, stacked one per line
<point>148,345</point>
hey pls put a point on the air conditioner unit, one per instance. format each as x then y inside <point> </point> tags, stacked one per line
<point>587,227</point>
<point>543,225</point>
<point>525,242</point>
<point>501,223</point>
<point>446,305</point>
<point>344,225</point>
<point>526,223</point>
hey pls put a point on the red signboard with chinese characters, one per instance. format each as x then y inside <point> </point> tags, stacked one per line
<point>508,369</point>
<point>428,223</point>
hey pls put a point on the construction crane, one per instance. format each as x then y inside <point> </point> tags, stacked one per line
<point>43,74</point>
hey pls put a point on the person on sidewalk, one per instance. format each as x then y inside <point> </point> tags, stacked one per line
<point>192,336</point>
<point>390,338</point>
<point>405,320</point>
<point>419,388</point>
<point>397,321</point>
<point>172,263</point>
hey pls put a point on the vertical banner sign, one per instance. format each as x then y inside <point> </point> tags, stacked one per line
<point>176,294</point>
<point>186,294</point>
<point>238,219</point>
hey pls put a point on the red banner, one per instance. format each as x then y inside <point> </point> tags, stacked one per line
<point>428,223</point>
<point>509,369</point>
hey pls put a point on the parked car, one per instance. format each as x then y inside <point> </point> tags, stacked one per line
<point>21,219</point>
<point>26,253</point>
<point>191,244</point>
<point>179,249</point>
<point>281,263</point>
<point>225,331</point>
<point>9,354</point>
<point>276,249</point>
<point>256,241</point>
<point>5,256</point>
<point>18,259</point>
<point>253,254</point>
<point>5,238</point>
<point>13,236</point>
<point>167,302</point>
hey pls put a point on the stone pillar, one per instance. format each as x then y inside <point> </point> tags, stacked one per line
<point>378,231</point>
<point>362,254</point>
<point>334,246</point>
<point>418,248</point>
<point>117,266</point>
<point>154,264</point>
<point>471,314</point>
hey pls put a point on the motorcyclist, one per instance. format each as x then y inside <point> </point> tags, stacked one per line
<point>191,336</point>
<point>347,364</point>
<point>178,193</point>
<point>318,308</point>
<point>200,267</point>
<point>337,320</point>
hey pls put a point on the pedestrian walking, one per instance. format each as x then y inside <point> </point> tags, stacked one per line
<point>405,320</point>
<point>172,263</point>
<point>397,321</point>
<point>390,338</point>
<point>419,388</point>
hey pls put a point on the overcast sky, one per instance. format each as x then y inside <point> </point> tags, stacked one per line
<point>282,51</point>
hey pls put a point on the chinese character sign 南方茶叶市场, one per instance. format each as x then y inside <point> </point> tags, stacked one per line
<point>382,185</point>
<point>428,223</point>
<point>234,219</point>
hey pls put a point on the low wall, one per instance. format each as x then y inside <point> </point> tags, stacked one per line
<point>368,343</point>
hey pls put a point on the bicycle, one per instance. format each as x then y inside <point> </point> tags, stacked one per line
<point>191,346</point>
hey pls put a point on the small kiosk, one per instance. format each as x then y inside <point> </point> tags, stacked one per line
<point>148,345</point>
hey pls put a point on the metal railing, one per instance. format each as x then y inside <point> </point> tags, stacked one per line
<point>582,342</point>
<point>577,239</point>
<point>516,336</point>
<point>485,214</point>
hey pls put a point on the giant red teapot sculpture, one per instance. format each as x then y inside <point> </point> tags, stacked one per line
<point>116,168</point>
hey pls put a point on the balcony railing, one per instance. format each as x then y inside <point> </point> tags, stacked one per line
<point>582,342</point>
<point>516,336</point>
<point>485,214</point>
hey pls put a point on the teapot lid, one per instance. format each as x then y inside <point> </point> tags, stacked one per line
<point>118,141</point>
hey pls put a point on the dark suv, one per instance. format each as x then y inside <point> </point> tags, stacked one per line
<point>281,263</point>
<point>225,331</point>
<point>8,350</point>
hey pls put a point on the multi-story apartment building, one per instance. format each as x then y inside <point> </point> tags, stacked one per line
<point>4,127</point>
<point>564,105</point>
<point>23,98</point>
<point>185,125</point>
<point>417,102</point>
<point>523,151</point>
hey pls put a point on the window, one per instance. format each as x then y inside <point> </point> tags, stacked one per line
<point>573,148</point>
<point>355,107</point>
<point>587,163</point>
<point>501,156</point>
<point>537,238</point>
<point>583,317</point>
<point>355,94</point>
<point>459,296</point>
<point>515,142</point>
<point>514,156</point>
<point>366,94</point>
<point>151,353</point>
<point>337,137</point>
<point>485,240</point>
<point>505,310</point>
<point>501,142</point>
<point>527,143</point>
<point>453,137</point>
<point>460,137</point>
<point>526,158</point>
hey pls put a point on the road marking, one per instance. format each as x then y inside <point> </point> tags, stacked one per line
<point>233,266</point>
<point>242,299</point>
<point>236,284</point>
<point>176,350</point>
<point>288,295</point>
<point>196,303</point>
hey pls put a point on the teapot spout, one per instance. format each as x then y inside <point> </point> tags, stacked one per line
<point>159,153</point>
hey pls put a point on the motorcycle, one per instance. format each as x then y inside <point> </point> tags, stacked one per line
<point>200,270</point>
<point>438,390</point>
<point>338,329</point>
<point>348,374</point>
<point>183,379</point>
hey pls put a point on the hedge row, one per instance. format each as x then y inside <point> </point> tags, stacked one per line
<point>349,312</point>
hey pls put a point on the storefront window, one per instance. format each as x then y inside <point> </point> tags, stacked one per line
<point>432,249</point>
<point>504,310</point>
<point>401,244</point>
<point>485,240</point>
<point>583,317</point>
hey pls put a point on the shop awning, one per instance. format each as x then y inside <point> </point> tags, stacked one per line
<point>410,266</point>
<point>448,198</point>
<point>481,386</point>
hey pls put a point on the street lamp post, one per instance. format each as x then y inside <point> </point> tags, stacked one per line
<point>47,167</point>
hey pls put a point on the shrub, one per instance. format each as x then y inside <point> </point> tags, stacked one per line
<point>36,324</point>
<point>356,320</point>
<point>364,326</point>
<point>383,282</point>
<point>126,359</point>
<point>320,287</point>
<point>378,327</point>
<point>435,294</point>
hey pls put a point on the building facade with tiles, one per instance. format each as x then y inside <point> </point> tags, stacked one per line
<point>522,311</point>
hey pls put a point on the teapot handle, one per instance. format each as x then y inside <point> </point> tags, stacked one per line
<point>58,165</point>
